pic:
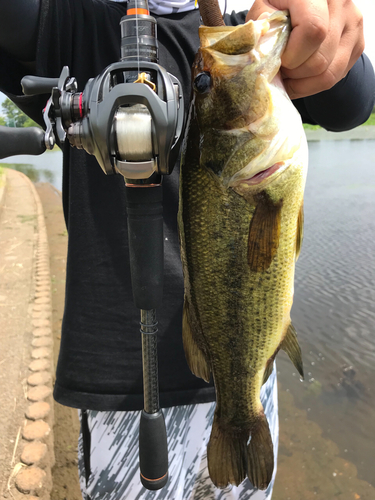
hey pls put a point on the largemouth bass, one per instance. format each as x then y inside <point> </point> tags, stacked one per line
<point>243,173</point>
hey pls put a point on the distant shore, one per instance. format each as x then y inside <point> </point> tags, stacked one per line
<point>357,134</point>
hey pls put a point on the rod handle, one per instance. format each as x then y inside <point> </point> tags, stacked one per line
<point>21,141</point>
<point>146,247</point>
<point>153,450</point>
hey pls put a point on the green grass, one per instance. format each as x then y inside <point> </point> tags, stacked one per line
<point>26,218</point>
<point>370,121</point>
<point>307,126</point>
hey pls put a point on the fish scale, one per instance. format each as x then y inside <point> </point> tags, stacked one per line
<point>240,222</point>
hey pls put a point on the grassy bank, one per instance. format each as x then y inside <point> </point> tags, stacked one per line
<point>370,121</point>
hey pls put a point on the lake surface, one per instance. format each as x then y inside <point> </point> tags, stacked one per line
<point>334,306</point>
<point>327,432</point>
<point>43,168</point>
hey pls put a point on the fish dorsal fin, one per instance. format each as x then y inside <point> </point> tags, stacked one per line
<point>264,234</point>
<point>299,238</point>
<point>291,347</point>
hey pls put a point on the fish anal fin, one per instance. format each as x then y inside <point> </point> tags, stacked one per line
<point>260,461</point>
<point>194,355</point>
<point>264,234</point>
<point>226,456</point>
<point>268,370</point>
<point>299,238</point>
<point>291,347</point>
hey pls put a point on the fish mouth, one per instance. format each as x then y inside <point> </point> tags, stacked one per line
<point>268,174</point>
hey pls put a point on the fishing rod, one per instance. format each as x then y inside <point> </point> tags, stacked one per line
<point>130,117</point>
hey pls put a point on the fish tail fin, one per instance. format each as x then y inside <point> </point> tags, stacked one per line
<point>195,357</point>
<point>260,461</point>
<point>226,456</point>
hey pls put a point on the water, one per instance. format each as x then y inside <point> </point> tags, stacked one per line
<point>334,304</point>
<point>330,418</point>
<point>43,168</point>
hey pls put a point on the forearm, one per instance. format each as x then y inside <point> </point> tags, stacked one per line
<point>346,105</point>
<point>18,28</point>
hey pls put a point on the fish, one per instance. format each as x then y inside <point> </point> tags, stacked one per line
<point>242,179</point>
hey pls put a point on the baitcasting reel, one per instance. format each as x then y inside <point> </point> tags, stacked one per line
<point>131,129</point>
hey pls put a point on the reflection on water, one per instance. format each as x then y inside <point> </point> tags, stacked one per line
<point>43,168</point>
<point>34,174</point>
<point>334,305</point>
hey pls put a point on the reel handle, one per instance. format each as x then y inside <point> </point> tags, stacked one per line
<point>35,85</point>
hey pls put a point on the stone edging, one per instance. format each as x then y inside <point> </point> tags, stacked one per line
<point>37,444</point>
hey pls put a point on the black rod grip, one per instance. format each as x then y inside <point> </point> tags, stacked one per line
<point>35,85</point>
<point>153,450</point>
<point>146,245</point>
<point>21,141</point>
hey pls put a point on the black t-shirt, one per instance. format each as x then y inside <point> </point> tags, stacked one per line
<point>100,365</point>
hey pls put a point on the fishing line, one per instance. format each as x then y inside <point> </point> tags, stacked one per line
<point>137,32</point>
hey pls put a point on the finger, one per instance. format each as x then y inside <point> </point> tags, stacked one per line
<point>258,9</point>
<point>319,62</point>
<point>303,87</point>
<point>310,23</point>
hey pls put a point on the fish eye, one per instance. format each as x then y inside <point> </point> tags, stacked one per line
<point>202,82</point>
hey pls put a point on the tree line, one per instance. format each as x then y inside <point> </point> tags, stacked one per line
<point>12,116</point>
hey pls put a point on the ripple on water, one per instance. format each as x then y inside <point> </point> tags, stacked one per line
<point>334,305</point>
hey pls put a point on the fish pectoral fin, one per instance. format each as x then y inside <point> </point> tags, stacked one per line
<point>226,456</point>
<point>299,238</point>
<point>267,371</point>
<point>260,461</point>
<point>291,347</point>
<point>195,357</point>
<point>264,235</point>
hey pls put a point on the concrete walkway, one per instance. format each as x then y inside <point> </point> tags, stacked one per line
<point>26,365</point>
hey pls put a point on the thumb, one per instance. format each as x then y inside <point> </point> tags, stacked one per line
<point>258,8</point>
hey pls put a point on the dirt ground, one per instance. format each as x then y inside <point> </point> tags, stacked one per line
<point>66,428</point>
<point>17,244</point>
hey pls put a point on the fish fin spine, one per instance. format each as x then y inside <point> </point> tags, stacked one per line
<point>195,357</point>
<point>268,370</point>
<point>260,459</point>
<point>300,223</point>
<point>291,346</point>
<point>226,456</point>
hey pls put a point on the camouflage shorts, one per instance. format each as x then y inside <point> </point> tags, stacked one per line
<point>114,467</point>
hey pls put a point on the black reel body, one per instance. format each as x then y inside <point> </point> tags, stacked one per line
<point>131,128</point>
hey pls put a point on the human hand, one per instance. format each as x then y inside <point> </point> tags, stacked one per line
<point>325,42</point>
